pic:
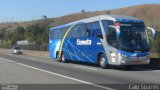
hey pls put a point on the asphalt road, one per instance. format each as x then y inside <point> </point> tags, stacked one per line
<point>23,69</point>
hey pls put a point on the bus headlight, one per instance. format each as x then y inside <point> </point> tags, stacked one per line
<point>121,55</point>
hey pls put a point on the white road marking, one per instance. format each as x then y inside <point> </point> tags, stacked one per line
<point>32,58</point>
<point>43,56</point>
<point>60,75</point>
<point>38,56</point>
<point>86,67</point>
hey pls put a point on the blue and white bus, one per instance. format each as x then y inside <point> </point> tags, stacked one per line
<point>104,40</point>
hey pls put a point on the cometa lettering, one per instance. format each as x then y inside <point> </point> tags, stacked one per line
<point>84,42</point>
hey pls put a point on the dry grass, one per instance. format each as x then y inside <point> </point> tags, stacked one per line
<point>150,13</point>
<point>154,55</point>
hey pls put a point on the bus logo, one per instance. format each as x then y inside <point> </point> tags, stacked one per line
<point>84,42</point>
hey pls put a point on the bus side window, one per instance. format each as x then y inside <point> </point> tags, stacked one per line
<point>73,32</point>
<point>96,29</point>
<point>56,34</point>
<point>88,29</point>
<point>106,23</point>
<point>78,31</point>
<point>63,31</point>
<point>83,30</point>
<point>59,33</point>
<point>53,34</point>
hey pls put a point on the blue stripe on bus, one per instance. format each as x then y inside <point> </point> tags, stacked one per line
<point>84,53</point>
<point>129,54</point>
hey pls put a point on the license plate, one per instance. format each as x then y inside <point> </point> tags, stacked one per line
<point>138,62</point>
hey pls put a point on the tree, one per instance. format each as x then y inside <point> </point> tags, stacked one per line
<point>38,32</point>
<point>17,35</point>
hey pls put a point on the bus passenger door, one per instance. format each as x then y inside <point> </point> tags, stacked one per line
<point>112,35</point>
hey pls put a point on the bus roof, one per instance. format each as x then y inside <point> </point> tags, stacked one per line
<point>119,18</point>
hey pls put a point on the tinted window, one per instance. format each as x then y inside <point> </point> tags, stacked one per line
<point>53,34</point>
<point>78,31</point>
<point>133,37</point>
<point>59,33</point>
<point>83,30</point>
<point>106,23</point>
<point>63,31</point>
<point>111,37</point>
<point>96,29</point>
<point>110,33</point>
<point>88,30</point>
<point>56,34</point>
<point>73,32</point>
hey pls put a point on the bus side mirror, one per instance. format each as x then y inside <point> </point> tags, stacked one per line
<point>153,33</point>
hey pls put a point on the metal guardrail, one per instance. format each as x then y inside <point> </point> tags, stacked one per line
<point>29,47</point>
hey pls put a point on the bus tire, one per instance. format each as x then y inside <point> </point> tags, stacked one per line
<point>102,62</point>
<point>128,67</point>
<point>63,58</point>
<point>58,57</point>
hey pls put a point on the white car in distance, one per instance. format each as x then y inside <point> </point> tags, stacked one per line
<point>16,50</point>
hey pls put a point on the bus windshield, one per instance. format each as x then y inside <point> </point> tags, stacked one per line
<point>133,38</point>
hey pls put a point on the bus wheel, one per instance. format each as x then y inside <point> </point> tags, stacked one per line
<point>58,58</point>
<point>63,58</point>
<point>102,61</point>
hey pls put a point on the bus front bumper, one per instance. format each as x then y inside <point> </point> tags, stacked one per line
<point>135,61</point>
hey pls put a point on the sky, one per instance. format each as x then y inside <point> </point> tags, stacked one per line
<point>26,10</point>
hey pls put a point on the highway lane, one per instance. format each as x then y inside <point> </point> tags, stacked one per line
<point>88,73</point>
<point>12,73</point>
<point>32,78</point>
